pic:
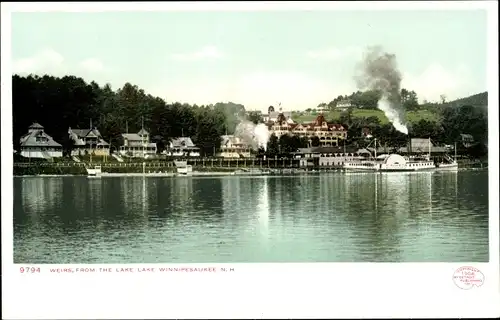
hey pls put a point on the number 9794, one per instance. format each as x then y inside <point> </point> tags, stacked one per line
<point>29,270</point>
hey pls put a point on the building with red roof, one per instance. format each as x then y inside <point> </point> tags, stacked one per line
<point>329,134</point>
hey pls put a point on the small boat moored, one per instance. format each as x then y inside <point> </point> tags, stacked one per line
<point>183,168</point>
<point>450,165</point>
<point>94,172</point>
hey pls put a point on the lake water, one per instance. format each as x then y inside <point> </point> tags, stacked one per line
<point>337,217</point>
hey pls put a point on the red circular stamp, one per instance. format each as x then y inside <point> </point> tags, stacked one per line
<point>468,277</point>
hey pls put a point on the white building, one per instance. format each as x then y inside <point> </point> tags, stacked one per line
<point>344,104</point>
<point>234,147</point>
<point>38,144</point>
<point>272,116</point>
<point>137,144</point>
<point>182,147</point>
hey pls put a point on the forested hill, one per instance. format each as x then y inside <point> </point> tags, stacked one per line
<point>60,103</point>
<point>476,100</point>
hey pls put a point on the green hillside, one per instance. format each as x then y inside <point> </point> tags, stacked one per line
<point>412,116</point>
<point>476,100</point>
<point>430,112</point>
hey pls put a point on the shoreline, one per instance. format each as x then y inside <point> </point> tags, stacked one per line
<point>226,173</point>
<point>166,170</point>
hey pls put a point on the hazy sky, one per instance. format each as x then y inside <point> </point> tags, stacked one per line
<point>299,58</point>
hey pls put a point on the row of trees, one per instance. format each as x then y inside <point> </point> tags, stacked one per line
<point>368,100</point>
<point>60,103</point>
<point>285,144</point>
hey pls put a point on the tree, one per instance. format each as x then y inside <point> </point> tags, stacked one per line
<point>299,142</point>
<point>409,99</point>
<point>332,105</point>
<point>478,150</point>
<point>285,144</point>
<point>255,117</point>
<point>369,99</point>
<point>412,102</point>
<point>291,143</point>
<point>209,129</point>
<point>60,103</point>
<point>315,142</point>
<point>465,119</point>
<point>426,129</point>
<point>346,117</point>
<point>322,106</point>
<point>373,121</point>
<point>273,146</point>
<point>404,95</point>
<point>442,98</point>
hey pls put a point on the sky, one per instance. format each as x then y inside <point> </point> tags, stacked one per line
<point>262,58</point>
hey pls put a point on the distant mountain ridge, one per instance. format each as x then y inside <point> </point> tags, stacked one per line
<point>476,100</point>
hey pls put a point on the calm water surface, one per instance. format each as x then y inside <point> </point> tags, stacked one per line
<point>394,217</point>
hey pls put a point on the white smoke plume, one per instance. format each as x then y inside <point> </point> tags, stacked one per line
<point>255,135</point>
<point>379,71</point>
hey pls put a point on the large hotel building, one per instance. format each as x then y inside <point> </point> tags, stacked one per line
<point>329,134</point>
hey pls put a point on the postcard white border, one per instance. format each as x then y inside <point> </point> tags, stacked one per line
<point>252,290</point>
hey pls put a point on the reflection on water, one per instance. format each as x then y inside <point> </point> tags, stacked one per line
<point>263,209</point>
<point>39,194</point>
<point>331,217</point>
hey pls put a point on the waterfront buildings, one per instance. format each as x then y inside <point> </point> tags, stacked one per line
<point>38,144</point>
<point>327,156</point>
<point>88,141</point>
<point>182,147</point>
<point>234,147</point>
<point>329,134</point>
<point>138,144</point>
<point>421,146</point>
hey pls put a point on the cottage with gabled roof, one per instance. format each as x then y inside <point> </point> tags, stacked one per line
<point>234,147</point>
<point>138,144</point>
<point>467,140</point>
<point>182,147</point>
<point>88,141</point>
<point>281,125</point>
<point>38,144</point>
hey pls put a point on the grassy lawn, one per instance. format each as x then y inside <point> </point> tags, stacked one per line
<point>412,116</point>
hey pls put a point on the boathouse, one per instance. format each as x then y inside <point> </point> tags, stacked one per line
<point>38,144</point>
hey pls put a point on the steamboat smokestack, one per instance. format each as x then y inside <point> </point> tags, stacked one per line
<point>409,145</point>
